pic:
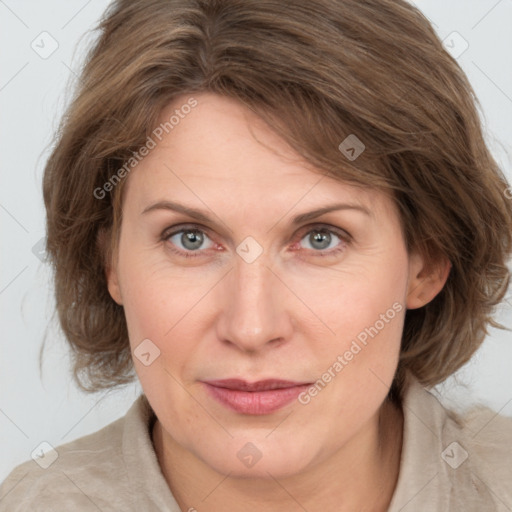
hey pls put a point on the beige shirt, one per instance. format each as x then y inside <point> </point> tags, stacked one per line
<point>447,464</point>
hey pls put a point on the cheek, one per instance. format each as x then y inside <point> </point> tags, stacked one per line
<point>155,311</point>
<point>146,310</point>
<point>359,303</point>
<point>364,311</point>
<point>150,294</point>
<point>163,303</point>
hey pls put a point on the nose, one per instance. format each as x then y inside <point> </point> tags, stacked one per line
<point>253,307</point>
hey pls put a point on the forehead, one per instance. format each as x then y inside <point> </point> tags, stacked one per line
<point>221,150</point>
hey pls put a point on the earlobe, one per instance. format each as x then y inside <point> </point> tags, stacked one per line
<point>425,281</point>
<point>110,268</point>
<point>113,285</point>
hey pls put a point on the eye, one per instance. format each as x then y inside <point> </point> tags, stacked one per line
<point>325,240</point>
<point>188,240</point>
<point>191,241</point>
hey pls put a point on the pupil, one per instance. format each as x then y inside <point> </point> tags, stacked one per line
<point>322,237</point>
<point>192,239</point>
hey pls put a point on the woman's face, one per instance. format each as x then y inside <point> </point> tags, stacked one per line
<point>248,291</point>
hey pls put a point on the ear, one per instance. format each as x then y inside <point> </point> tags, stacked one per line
<point>110,265</point>
<point>425,280</point>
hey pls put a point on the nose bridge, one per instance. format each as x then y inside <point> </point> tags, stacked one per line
<point>253,312</point>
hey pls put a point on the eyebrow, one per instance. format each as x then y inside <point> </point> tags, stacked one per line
<point>202,216</point>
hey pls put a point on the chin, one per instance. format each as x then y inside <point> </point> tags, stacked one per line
<point>246,457</point>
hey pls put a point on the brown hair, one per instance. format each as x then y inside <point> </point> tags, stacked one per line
<point>316,71</point>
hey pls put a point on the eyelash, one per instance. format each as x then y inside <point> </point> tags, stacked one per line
<point>343,235</point>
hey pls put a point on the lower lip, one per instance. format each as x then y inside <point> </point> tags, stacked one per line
<point>255,402</point>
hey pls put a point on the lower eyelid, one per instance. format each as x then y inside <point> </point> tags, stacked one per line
<point>344,239</point>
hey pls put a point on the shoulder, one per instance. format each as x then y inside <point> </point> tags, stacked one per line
<point>72,476</point>
<point>453,460</point>
<point>487,439</point>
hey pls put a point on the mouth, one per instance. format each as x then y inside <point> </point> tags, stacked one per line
<point>255,398</point>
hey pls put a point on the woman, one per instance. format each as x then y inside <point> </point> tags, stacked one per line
<point>282,218</point>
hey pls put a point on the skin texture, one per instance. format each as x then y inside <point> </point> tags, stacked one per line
<point>288,314</point>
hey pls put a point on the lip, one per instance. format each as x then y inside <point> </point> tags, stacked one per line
<point>256,398</point>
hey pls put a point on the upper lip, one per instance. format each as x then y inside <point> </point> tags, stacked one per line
<point>260,385</point>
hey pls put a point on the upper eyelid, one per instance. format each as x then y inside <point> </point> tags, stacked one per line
<point>340,232</point>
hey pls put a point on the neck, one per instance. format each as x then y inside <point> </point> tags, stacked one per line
<point>360,476</point>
